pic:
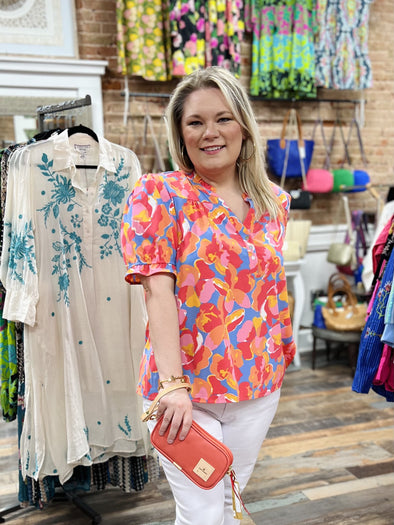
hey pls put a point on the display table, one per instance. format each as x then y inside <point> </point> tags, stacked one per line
<point>296,285</point>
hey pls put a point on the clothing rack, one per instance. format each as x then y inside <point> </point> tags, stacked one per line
<point>42,111</point>
<point>68,495</point>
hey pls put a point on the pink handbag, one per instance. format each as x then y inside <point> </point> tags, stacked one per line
<point>319,180</point>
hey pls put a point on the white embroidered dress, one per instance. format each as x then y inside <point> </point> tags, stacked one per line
<point>84,329</point>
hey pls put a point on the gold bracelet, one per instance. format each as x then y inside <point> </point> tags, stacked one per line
<point>174,379</point>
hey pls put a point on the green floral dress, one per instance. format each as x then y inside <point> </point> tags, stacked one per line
<point>8,366</point>
<point>283,64</point>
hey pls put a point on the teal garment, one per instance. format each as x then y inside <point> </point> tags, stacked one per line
<point>283,57</point>
<point>8,366</point>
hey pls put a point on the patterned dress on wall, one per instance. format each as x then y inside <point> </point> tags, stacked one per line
<point>143,38</point>
<point>342,60</point>
<point>283,63</point>
<point>206,34</point>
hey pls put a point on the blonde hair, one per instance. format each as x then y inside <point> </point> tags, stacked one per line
<point>252,174</point>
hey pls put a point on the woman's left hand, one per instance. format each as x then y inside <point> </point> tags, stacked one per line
<point>176,408</point>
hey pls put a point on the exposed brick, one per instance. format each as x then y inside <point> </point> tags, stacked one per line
<point>96,21</point>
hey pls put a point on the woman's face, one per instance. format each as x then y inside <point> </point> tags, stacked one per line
<point>212,136</point>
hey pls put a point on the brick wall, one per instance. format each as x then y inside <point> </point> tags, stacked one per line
<point>96,25</point>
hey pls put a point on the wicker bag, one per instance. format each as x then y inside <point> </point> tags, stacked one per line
<point>350,317</point>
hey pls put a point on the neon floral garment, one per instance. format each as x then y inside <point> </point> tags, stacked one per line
<point>235,330</point>
<point>283,62</point>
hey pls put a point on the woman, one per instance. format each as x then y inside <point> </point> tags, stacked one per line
<point>205,241</point>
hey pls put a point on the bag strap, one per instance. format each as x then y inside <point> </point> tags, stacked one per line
<point>354,123</point>
<point>294,120</point>
<point>158,157</point>
<point>348,216</point>
<point>338,281</point>
<point>319,124</point>
<point>150,413</point>
<point>338,124</point>
<point>339,284</point>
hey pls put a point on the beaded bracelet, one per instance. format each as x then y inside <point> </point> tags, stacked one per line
<point>174,379</point>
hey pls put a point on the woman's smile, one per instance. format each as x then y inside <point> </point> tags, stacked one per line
<point>212,136</point>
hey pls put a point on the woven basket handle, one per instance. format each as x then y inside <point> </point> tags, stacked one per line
<point>339,284</point>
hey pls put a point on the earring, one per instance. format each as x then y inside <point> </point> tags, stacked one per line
<point>240,159</point>
<point>183,151</point>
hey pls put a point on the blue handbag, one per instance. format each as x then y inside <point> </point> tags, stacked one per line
<point>284,156</point>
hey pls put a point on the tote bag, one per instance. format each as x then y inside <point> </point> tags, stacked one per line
<point>285,155</point>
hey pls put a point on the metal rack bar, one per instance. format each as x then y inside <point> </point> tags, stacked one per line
<point>62,106</point>
<point>143,94</point>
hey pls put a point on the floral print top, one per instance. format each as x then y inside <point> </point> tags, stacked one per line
<point>235,329</point>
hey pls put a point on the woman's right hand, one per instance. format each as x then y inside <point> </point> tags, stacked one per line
<point>176,409</point>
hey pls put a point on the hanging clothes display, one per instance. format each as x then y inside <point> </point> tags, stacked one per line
<point>283,61</point>
<point>143,38</point>
<point>8,366</point>
<point>341,48</point>
<point>206,34</point>
<point>11,333</point>
<point>159,40</point>
<point>375,359</point>
<point>62,269</point>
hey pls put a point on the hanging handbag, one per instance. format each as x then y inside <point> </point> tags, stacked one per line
<point>288,156</point>
<point>344,253</point>
<point>320,180</point>
<point>200,456</point>
<point>361,176</point>
<point>347,178</point>
<point>351,316</point>
<point>340,253</point>
<point>296,239</point>
<point>300,199</point>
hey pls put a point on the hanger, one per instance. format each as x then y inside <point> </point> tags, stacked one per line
<point>80,128</point>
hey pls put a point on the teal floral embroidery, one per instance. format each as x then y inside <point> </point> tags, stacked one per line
<point>76,221</point>
<point>113,193</point>
<point>21,252</point>
<point>62,191</point>
<point>127,431</point>
<point>70,244</point>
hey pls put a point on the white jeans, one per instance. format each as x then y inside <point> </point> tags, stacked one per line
<point>242,427</point>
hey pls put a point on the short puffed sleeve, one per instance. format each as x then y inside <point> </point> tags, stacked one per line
<point>149,229</point>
